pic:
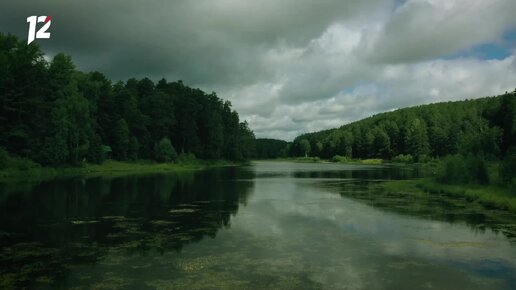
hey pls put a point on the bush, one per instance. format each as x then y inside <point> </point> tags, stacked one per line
<point>477,170</point>
<point>508,168</point>
<point>21,163</point>
<point>458,169</point>
<point>164,151</point>
<point>338,158</point>
<point>423,158</point>
<point>16,163</point>
<point>4,158</point>
<point>403,158</point>
<point>186,158</point>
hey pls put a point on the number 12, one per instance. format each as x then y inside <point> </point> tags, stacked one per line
<point>42,32</point>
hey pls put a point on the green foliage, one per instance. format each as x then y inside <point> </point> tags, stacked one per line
<point>484,128</point>
<point>487,195</point>
<point>458,169</point>
<point>305,147</point>
<point>271,148</point>
<point>186,158</point>
<point>15,163</point>
<point>121,140</point>
<point>402,158</point>
<point>508,168</point>
<point>20,163</point>
<point>4,158</point>
<point>342,159</point>
<point>164,151</point>
<point>132,149</point>
<point>55,115</point>
<point>95,150</point>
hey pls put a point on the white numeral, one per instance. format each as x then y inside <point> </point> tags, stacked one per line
<point>42,32</point>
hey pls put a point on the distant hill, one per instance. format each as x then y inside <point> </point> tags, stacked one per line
<point>484,126</point>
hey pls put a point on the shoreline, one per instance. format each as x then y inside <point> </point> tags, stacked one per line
<point>488,196</point>
<point>107,168</point>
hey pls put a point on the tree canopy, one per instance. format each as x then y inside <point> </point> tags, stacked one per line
<point>485,126</point>
<point>54,114</point>
<point>271,148</point>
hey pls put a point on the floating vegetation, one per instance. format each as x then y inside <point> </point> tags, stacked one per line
<point>114,218</point>
<point>136,237</point>
<point>85,222</point>
<point>163,223</point>
<point>182,210</point>
<point>112,283</point>
<point>461,244</point>
<point>196,264</point>
<point>187,205</point>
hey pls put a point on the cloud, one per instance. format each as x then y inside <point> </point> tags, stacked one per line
<point>422,29</point>
<point>290,66</point>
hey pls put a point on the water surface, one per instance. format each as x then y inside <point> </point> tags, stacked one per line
<point>271,225</point>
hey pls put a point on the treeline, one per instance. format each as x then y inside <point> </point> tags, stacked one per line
<point>53,114</point>
<point>483,126</point>
<point>464,136</point>
<point>270,148</point>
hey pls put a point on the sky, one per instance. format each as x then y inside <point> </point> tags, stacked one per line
<point>291,66</point>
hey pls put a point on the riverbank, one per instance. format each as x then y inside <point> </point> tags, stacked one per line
<point>319,160</point>
<point>107,168</point>
<point>489,196</point>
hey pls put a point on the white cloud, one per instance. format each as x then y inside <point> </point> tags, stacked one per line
<point>423,29</point>
<point>291,66</point>
<point>388,88</point>
<point>337,77</point>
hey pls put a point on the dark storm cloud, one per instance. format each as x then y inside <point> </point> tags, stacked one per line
<point>288,66</point>
<point>203,41</point>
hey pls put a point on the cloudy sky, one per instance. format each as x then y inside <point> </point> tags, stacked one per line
<point>291,66</point>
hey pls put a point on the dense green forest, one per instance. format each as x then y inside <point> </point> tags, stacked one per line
<point>270,148</point>
<point>481,126</point>
<point>467,133</point>
<point>53,114</point>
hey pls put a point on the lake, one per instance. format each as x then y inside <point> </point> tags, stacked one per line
<point>269,225</point>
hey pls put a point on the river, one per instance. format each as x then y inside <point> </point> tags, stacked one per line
<point>269,225</point>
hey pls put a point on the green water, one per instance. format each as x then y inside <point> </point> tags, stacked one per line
<point>270,225</point>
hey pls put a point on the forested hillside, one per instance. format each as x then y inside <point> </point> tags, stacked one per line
<point>485,126</point>
<point>270,148</point>
<point>53,114</point>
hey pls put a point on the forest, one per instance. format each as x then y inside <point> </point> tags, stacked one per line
<point>483,126</point>
<point>53,114</point>
<point>267,148</point>
<point>463,135</point>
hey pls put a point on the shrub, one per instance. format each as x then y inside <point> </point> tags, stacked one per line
<point>460,169</point>
<point>164,151</point>
<point>508,168</point>
<point>186,158</point>
<point>4,158</point>
<point>21,163</point>
<point>423,158</point>
<point>403,158</point>
<point>16,163</point>
<point>477,170</point>
<point>338,158</point>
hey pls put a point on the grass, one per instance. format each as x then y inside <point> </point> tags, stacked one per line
<point>489,196</point>
<point>108,167</point>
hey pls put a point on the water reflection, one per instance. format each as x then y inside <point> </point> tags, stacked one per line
<point>51,227</point>
<point>428,206</point>
<point>334,171</point>
<point>272,225</point>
